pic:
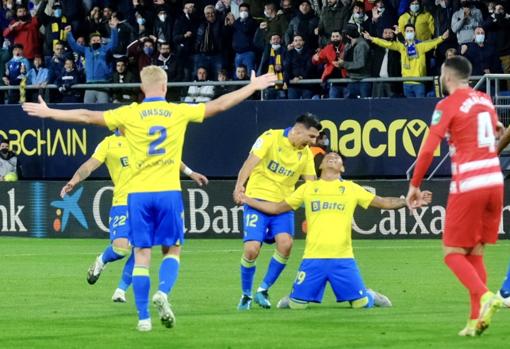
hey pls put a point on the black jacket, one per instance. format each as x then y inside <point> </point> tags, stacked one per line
<point>376,59</point>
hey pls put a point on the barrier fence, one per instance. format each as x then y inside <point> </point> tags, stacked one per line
<point>34,209</point>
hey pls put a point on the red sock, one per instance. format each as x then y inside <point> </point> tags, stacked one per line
<point>475,306</point>
<point>477,263</point>
<point>466,273</point>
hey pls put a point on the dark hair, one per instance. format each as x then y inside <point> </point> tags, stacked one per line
<point>20,46</point>
<point>309,120</point>
<point>4,140</point>
<point>409,25</point>
<point>243,66</point>
<point>300,35</point>
<point>244,4</point>
<point>460,65</point>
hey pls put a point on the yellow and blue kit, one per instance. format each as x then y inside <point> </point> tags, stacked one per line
<point>155,132</point>
<point>113,152</point>
<point>328,256</point>
<point>273,179</point>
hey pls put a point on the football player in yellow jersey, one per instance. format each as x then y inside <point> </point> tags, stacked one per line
<point>276,162</point>
<point>113,151</point>
<point>154,130</point>
<point>329,205</point>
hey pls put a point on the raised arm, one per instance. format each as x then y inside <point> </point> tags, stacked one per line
<point>82,173</point>
<point>232,99</point>
<point>82,116</point>
<point>242,177</point>
<point>72,42</point>
<point>266,206</point>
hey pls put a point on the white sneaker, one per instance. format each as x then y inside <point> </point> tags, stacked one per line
<point>166,314</point>
<point>119,296</point>
<point>380,300</point>
<point>95,270</point>
<point>144,325</point>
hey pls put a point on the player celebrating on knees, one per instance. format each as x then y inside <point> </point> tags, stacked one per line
<point>475,203</point>
<point>154,130</point>
<point>113,151</point>
<point>276,162</point>
<point>329,206</point>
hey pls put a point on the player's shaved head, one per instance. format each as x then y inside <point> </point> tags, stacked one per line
<point>459,66</point>
<point>154,80</point>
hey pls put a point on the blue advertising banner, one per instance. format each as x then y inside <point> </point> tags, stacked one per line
<point>35,209</point>
<point>379,138</point>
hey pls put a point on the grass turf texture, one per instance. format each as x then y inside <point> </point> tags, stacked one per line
<point>46,302</point>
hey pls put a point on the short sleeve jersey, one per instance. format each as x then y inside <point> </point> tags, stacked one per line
<point>275,176</point>
<point>329,208</point>
<point>155,132</point>
<point>468,119</point>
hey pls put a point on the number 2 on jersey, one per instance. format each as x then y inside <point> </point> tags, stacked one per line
<point>155,146</point>
<point>486,131</point>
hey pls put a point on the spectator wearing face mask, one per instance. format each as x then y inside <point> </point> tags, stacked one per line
<point>382,16</point>
<point>243,31</point>
<point>412,56</point>
<point>498,24</point>
<point>16,70</point>
<point>272,61</point>
<point>331,56</point>
<point>142,52</point>
<point>482,54</point>
<point>273,24</point>
<point>385,63</point>
<point>358,17</point>
<point>421,19</point>
<point>97,70</point>
<point>465,20</point>
<point>24,30</point>
<point>163,26</point>
<point>8,163</point>
<point>54,26</point>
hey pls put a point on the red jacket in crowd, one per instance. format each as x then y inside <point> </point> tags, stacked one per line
<point>327,56</point>
<point>26,34</point>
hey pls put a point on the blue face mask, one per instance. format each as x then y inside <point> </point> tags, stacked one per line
<point>57,13</point>
<point>148,50</point>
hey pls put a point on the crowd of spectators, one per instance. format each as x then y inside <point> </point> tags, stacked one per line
<point>67,42</point>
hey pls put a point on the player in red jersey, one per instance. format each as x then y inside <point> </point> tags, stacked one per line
<point>473,213</point>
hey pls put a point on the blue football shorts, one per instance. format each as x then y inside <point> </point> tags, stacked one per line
<point>156,218</point>
<point>118,222</point>
<point>259,226</point>
<point>342,274</point>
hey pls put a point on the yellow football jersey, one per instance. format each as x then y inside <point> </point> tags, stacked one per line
<point>155,132</point>
<point>113,151</point>
<point>329,208</point>
<point>275,176</point>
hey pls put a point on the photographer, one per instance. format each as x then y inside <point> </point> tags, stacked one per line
<point>8,163</point>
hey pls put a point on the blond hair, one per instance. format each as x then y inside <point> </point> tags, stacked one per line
<point>152,75</point>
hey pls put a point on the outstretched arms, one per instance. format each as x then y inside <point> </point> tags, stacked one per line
<point>83,116</point>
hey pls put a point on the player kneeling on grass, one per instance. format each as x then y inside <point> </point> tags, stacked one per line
<point>329,205</point>
<point>113,151</point>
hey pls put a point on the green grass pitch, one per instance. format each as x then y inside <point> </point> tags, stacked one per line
<point>46,302</point>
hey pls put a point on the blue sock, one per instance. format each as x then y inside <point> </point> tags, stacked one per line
<point>111,254</point>
<point>505,288</point>
<point>247,273</point>
<point>275,268</point>
<point>141,288</point>
<point>168,272</point>
<point>127,273</point>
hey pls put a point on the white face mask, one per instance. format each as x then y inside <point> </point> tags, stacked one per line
<point>326,142</point>
<point>275,46</point>
<point>140,20</point>
<point>479,38</point>
<point>243,14</point>
<point>162,17</point>
<point>415,8</point>
<point>266,13</point>
<point>409,36</point>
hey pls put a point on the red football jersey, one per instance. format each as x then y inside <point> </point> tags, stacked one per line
<point>468,119</point>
